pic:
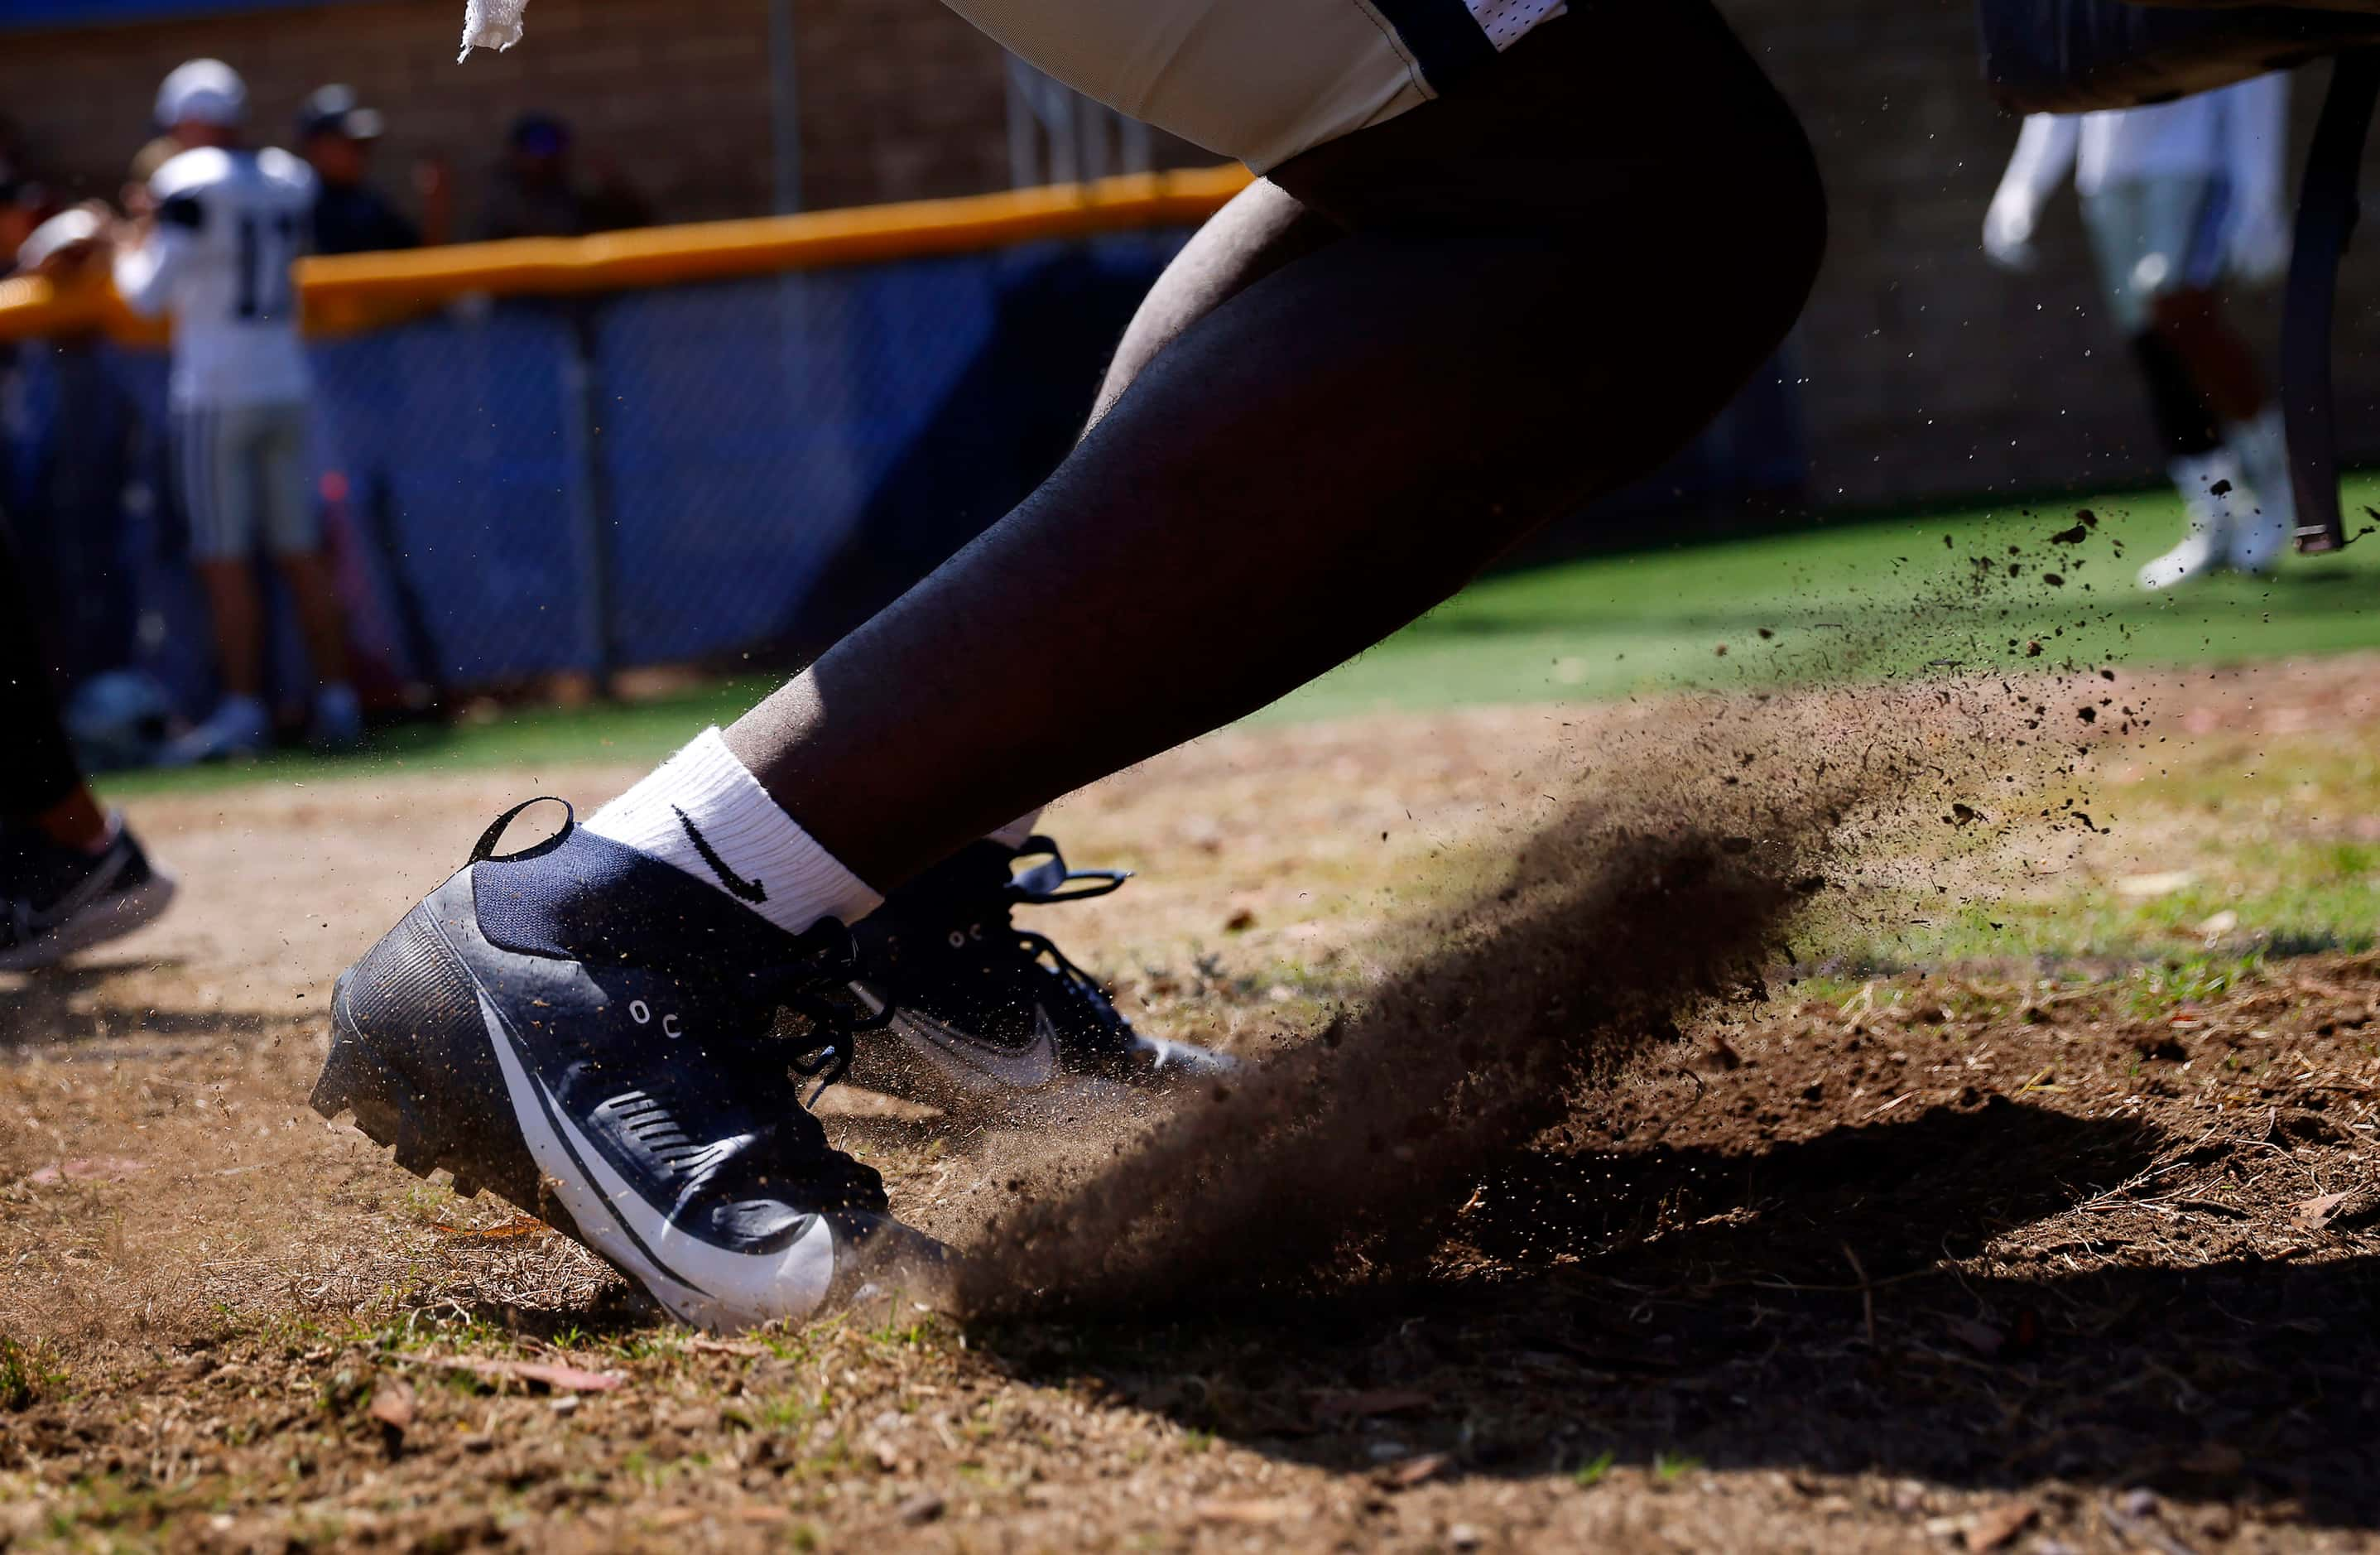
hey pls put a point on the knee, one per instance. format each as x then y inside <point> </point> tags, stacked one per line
<point>1750,219</point>
<point>1787,201</point>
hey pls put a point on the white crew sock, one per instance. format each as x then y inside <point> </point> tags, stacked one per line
<point>2196,479</point>
<point>1012,837</point>
<point>2262,446</point>
<point>704,799</point>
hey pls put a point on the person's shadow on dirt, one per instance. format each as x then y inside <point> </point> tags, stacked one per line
<point>67,1006</point>
<point>1787,1309</point>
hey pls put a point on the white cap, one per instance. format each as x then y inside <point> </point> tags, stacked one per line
<point>205,90</point>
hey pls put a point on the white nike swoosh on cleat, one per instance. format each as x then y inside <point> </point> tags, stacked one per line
<point>705,1285</point>
<point>1030,1068</point>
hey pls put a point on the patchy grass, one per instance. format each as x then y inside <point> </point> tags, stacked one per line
<point>30,1373</point>
<point>2071,1228</point>
<point>1821,605</point>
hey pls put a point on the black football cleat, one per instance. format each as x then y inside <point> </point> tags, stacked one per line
<point>56,901</point>
<point>990,1019</point>
<point>591,1033</point>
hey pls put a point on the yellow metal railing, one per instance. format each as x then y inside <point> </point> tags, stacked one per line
<point>345,293</point>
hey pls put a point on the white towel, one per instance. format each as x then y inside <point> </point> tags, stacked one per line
<point>490,24</point>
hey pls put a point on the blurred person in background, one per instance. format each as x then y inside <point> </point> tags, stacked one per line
<point>70,490</point>
<point>24,205</point>
<point>2176,197</point>
<point>154,153</point>
<point>72,873</point>
<point>228,224</point>
<point>537,192</point>
<point>336,135</point>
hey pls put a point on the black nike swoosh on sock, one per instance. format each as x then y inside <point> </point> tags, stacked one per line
<point>737,886</point>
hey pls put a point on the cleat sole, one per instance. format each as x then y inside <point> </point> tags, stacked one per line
<point>416,1074</point>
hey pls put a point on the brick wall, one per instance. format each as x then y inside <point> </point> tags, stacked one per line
<point>1929,374</point>
<point>899,98</point>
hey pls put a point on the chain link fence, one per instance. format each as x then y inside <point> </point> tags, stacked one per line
<point>524,487</point>
<point>688,472</point>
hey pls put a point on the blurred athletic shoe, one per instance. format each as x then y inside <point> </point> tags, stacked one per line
<point>2261,532</point>
<point>988,1017</point>
<point>239,727</point>
<point>2259,536</point>
<point>56,901</point>
<point>118,718</point>
<point>338,722</point>
<point>2208,484</point>
<point>590,1033</point>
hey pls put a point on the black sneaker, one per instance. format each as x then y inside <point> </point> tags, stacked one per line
<point>987,1017</point>
<point>591,1033</point>
<point>56,901</point>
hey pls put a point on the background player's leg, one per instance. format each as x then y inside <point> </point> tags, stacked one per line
<point>40,782</point>
<point>293,529</point>
<point>2190,320</point>
<point>2191,324</point>
<point>1543,293</point>
<point>218,487</point>
<point>2189,317</point>
<point>320,622</point>
<point>236,617</point>
<point>71,875</point>
<point>216,459</point>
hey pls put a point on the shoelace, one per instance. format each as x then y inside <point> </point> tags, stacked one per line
<point>836,1019</point>
<point>1046,883</point>
<point>1085,986</point>
<point>824,958</point>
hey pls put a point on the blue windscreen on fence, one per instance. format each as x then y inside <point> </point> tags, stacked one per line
<point>752,420</point>
<point>460,425</point>
<point>534,486</point>
<point>644,477</point>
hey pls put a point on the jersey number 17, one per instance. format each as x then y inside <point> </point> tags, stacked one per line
<point>268,246</point>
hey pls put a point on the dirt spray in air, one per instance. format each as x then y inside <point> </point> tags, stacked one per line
<point>1667,883</point>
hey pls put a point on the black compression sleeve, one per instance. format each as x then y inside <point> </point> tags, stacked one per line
<point>37,765</point>
<point>2184,423</point>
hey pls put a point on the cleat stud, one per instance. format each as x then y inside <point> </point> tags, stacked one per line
<point>379,1124</point>
<point>335,1089</point>
<point>414,1154</point>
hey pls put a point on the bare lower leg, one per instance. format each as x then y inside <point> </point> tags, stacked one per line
<point>238,621</point>
<point>2192,322</point>
<point>321,621</point>
<point>1301,466</point>
<point>1284,485</point>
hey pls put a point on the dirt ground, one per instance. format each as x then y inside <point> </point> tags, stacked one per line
<point>1955,1259</point>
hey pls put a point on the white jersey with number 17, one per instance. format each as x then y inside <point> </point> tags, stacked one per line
<point>229,226</point>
